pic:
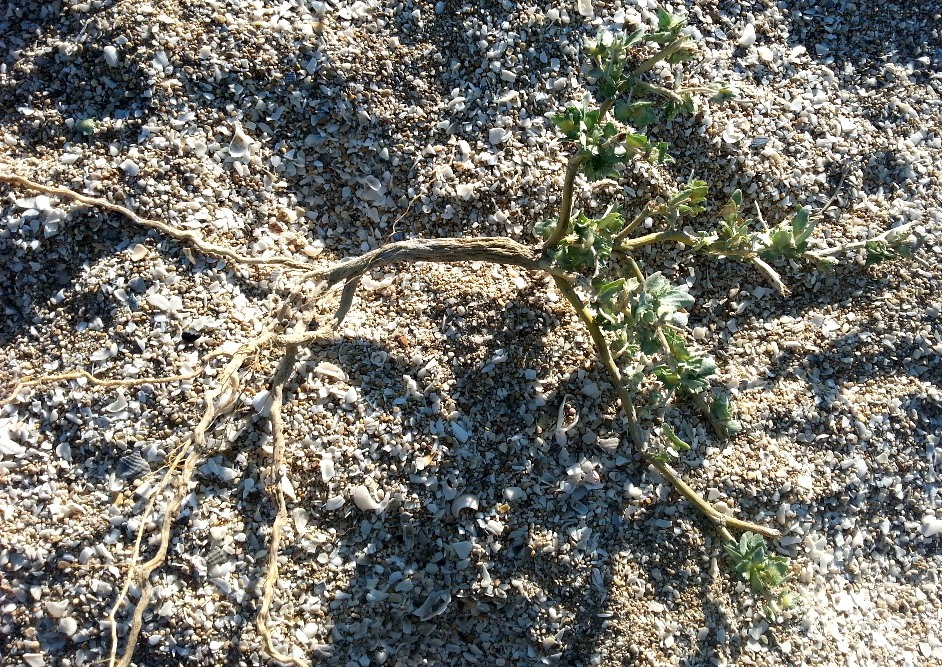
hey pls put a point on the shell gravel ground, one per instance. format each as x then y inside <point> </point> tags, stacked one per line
<point>437,519</point>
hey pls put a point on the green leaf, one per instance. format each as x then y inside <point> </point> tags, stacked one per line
<point>721,408</point>
<point>788,239</point>
<point>636,142</point>
<point>881,251</point>
<point>570,121</point>
<point>639,114</point>
<point>802,226</point>
<point>675,442</point>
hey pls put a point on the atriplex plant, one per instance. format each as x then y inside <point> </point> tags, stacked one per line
<point>634,320</point>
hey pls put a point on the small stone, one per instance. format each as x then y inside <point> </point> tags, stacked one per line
<point>130,168</point>
<point>34,659</point>
<point>463,549</point>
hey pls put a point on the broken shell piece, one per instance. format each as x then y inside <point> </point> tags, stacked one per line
<point>137,252</point>
<point>748,37</point>
<point>463,549</point>
<point>239,146</point>
<point>732,134</point>
<point>465,501</point>
<point>327,469</point>
<point>132,466</point>
<point>336,502</point>
<point>327,369</point>
<point>363,499</point>
<point>301,519</point>
<point>111,55</point>
<point>436,603</point>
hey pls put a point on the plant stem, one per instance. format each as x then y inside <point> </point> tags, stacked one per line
<point>722,522</point>
<point>900,232</point>
<point>633,225</point>
<point>565,209</point>
<point>658,90</point>
<point>666,52</point>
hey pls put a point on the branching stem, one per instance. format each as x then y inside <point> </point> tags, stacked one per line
<point>722,522</point>
<point>565,209</point>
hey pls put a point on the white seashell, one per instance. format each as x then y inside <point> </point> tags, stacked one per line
<point>748,36</point>
<point>310,630</point>
<point>494,527</point>
<point>130,167</point>
<point>585,8</point>
<point>327,469</point>
<point>301,519</point>
<point>239,145</point>
<point>224,586</point>
<point>137,252</point>
<point>218,533</point>
<point>350,396</point>
<point>609,445</point>
<point>363,500</point>
<point>56,609</point>
<point>8,447</point>
<point>102,355</point>
<point>327,369</point>
<point>262,403</point>
<point>64,451</point>
<point>732,134</point>
<point>334,503</point>
<point>463,502</point>
<point>111,55</point>
<point>286,487</point>
<point>512,493</point>
<point>463,549</point>
<point>464,190</point>
<point>435,604</point>
<point>34,659</point>
<point>498,135</point>
<point>373,183</point>
<point>160,302</point>
<point>930,526</point>
<point>119,404</point>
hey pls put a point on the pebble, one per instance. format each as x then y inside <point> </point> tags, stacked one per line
<point>68,626</point>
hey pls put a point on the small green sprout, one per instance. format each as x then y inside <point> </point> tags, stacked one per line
<point>86,126</point>
<point>750,558</point>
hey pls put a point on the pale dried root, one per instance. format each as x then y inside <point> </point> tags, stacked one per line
<point>183,235</point>
<point>218,401</point>
<point>104,382</point>
<point>282,373</point>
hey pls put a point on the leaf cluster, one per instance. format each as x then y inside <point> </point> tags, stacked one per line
<point>588,246</point>
<point>751,559</point>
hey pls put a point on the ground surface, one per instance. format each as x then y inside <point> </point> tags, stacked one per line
<point>323,129</point>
